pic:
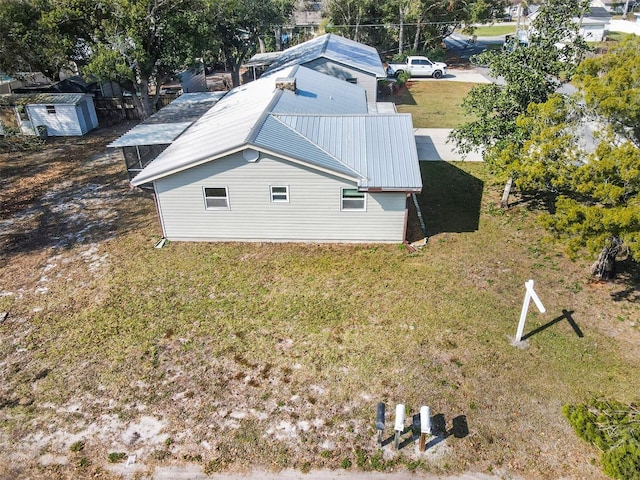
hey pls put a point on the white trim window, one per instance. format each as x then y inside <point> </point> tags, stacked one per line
<point>51,109</point>
<point>216,198</point>
<point>352,199</point>
<point>279,193</point>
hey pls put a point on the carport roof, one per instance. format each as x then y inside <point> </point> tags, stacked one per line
<point>151,134</point>
<point>163,127</point>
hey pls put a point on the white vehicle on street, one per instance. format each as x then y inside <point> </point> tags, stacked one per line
<point>418,67</point>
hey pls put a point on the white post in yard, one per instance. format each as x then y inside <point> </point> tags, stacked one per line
<point>425,426</point>
<point>399,425</point>
<point>531,294</point>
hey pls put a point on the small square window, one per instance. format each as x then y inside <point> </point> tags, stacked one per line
<point>216,198</point>
<point>51,109</point>
<point>352,199</point>
<point>279,194</point>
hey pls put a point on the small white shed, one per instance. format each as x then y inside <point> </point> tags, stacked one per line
<point>63,114</point>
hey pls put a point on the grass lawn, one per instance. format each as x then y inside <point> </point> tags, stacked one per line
<point>434,104</point>
<point>232,356</point>
<point>494,30</point>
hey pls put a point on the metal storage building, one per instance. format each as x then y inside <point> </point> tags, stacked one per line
<point>63,114</point>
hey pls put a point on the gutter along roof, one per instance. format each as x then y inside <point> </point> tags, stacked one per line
<point>324,124</point>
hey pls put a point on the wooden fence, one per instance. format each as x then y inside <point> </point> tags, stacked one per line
<point>113,110</point>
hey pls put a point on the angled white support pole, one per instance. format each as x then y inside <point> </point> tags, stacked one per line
<point>531,294</point>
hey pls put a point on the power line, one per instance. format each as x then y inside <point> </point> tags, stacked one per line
<point>391,25</point>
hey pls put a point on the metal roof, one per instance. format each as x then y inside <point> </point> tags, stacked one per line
<point>381,148</point>
<point>164,126</point>
<point>323,124</point>
<point>151,134</point>
<point>262,59</point>
<point>41,98</point>
<point>188,107</point>
<point>332,47</point>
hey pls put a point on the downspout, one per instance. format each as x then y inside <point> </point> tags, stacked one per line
<point>158,211</point>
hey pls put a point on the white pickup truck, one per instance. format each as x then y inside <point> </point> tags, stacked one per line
<point>418,67</point>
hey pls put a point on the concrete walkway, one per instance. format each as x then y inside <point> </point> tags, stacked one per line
<point>457,75</point>
<point>432,146</point>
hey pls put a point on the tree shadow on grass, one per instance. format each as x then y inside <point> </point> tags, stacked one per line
<point>451,198</point>
<point>85,203</point>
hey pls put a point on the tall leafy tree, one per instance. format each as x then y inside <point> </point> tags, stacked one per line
<point>529,74</point>
<point>409,24</point>
<point>605,215</point>
<point>594,183</point>
<point>235,27</point>
<point>31,39</point>
<point>142,43</point>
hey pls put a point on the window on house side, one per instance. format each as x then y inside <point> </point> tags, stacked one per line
<point>51,109</point>
<point>216,198</point>
<point>279,194</point>
<point>352,80</point>
<point>352,199</point>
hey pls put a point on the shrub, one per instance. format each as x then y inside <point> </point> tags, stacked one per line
<point>614,428</point>
<point>115,457</point>
<point>77,446</point>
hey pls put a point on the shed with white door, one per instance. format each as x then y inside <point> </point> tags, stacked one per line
<point>63,114</point>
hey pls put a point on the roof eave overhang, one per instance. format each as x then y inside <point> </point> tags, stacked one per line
<point>360,69</point>
<point>390,189</point>
<point>239,149</point>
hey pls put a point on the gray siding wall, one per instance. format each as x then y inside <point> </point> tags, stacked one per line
<point>367,81</point>
<point>64,122</point>
<point>312,214</point>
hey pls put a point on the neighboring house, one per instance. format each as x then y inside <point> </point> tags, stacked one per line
<point>76,84</point>
<point>193,80</point>
<point>339,57</point>
<point>612,6</point>
<point>8,84</point>
<point>63,114</point>
<point>593,24</point>
<point>146,141</point>
<point>293,156</point>
<point>307,16</point>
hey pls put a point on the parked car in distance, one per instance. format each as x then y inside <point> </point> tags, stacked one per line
<point>418,67</point>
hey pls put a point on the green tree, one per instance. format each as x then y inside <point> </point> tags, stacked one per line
<point>235,27</point>
<point>141,43</point>
<point>401,25</point>
<point>594,183</point>
<point>613,428</point>
<point>32,40</point>
<point>528,74</point>
<point>606,215</point>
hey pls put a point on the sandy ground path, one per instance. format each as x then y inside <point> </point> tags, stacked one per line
<point>195,473</point>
